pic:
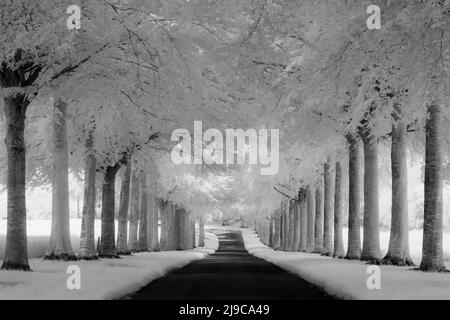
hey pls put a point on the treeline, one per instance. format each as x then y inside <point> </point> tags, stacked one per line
<point>312,221</point>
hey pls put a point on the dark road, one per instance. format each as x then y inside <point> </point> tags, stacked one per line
<point>230,273</point>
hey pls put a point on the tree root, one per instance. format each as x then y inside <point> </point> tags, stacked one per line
<point>89,257</point>
<point>61,257</point>
<point>370,260</point>
<point>124,253</point>
<point>109,255</point>
<point>391,260</point>
<point>352,257</point>
<point>432,268</point>
<point>16,267</point>
<point>326,254</point>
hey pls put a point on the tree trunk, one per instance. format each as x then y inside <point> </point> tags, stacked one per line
<point>60,247</point>
<point>284,210</point>
<point>310,219</point>
<point>277,227</point>
<point>152,224</point>
<point>303,221</point>
<point>398,252</point>
<point>122,217</point>
<point>371,239</point>
<point>134,212</point>
<point>143,214</point>
<point>87,238</point>
<point>339,251</point>
<point>271,232</point>
<point>16,257</point>
<point>201,236</point>
<point>291,225</point>
<point>282,222</point>
<point>163,209</point>
<point>107,242</point>
<point>328,211</point>
<point>192,233</point>
<point>432,252</point>
<point>171,227</point>
<point>178,225</point>
<point>354,225</point>
<point>296,209</point>
<point>318,221</point>
<point>185,230</point>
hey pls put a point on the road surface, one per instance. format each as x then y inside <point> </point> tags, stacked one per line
<point>230,273</point>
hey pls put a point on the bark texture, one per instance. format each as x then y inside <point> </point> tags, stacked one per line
<point>143,214</point>
<point>60,246</point>
<point>292,226</point>
<point>311,207</point>
<point>285,209</point>
<point>152,224</point>
<point>371,238</point>
<point>327,248</point>
<point>201,235</point>
<point>277,229</point>
<point>163,209</point>
<point>354,224</point>
<point>303,220</point>
<point>398,252</point>
<point>296,209</point>
<point>107,241</point>
<point>16,257</point>
<point>318,221</point>
<point>87,238</point>
<point>432,252</point>
<point>122,217</point>
<point>134,212</point>
<point>339,251</point>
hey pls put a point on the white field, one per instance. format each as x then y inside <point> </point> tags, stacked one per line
<point>38,232</point>
<point>347,279</point>
<point>100,279</point>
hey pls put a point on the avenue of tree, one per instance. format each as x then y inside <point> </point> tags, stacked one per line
<point>101,103</point>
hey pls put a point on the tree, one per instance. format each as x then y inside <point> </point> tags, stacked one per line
<point>310,219</point>
<point>328,211</point>
<point>163,209</point>
<point>122,217</point>
<point>432,252</point>
<point>292,225</point>
<point>134,211</point>
<point>107,240</point>
<point>15,107</point>
<point>398,252</point>
<point>60,246</point>
<point>338,240</point>
<point>143,214</point>
<point>201,235</point>
<point>303,219</point>
<point>354,233</point>
<point>318,221</point>
<point>87,238</point>
<point>371,239</point>
<point>297,226</point>
<point>152,225</point>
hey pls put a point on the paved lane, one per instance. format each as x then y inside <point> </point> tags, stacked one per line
<point>230,273</point>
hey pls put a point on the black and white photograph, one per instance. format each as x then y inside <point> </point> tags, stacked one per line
<point>215,158</point>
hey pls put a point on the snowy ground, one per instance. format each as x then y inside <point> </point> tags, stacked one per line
<point>348,279</point>
<point>101,279</point>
